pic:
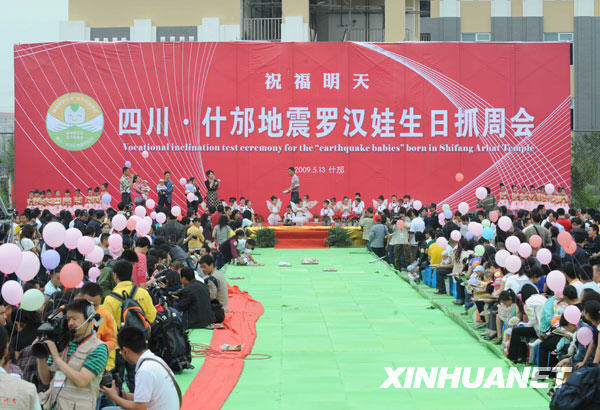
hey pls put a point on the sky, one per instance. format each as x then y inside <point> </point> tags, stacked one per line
<point>25,21</point>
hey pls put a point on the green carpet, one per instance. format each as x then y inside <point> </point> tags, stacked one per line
<point>330,335</point>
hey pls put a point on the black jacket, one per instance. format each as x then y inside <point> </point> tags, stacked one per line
<point>194,304</point>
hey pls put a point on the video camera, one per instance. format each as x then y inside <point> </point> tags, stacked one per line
<point>54,329</point>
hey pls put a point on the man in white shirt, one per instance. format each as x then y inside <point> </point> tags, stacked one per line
<point>155,384</point>
<point>417,224</point>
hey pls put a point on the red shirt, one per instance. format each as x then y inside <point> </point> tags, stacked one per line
<point>214,218</point>
<point>565,223</point>
<point>139,270</point>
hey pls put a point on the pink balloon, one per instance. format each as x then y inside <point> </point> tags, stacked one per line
<point>182,181</point>
<point>455,235</point>
<point>549,188</point>
<point>504,223</point>
<point>493,216</point>
<point>564,238</point>
<point>442,242</point>
<point>142,228</point>
<point>94,273</point>
<point>12,292</point>
<point>145,154</point>
<point>463,208</point>
<point>572,314</point>
<point>150,204</point>
<point>140,211</point>
<point>584,335</point>
<point>524,250</point>
<point>72,235</point>
<point>535,241</point>
<point>417,205</point>
<point>85,245</point>
<point>556,281</point>
<point>71,275</point>
<point>131,223</point>
<point>119,222</point>
<point>96,255</point>
<point>10,258</point>
<point>54,234</point>
<point>400,224</point>
<point>571,248</point>
<point>513,263</point>
<point>475,228</point>
<point>176,211</point>
<point>191,197</point>
<point>544,256</point>
<point>115,242</point>
<point>501,256</point>
<point>30,266</point>
<point>512,244</point>
<point>153,215</point>
<point>161,218</point>
<point>481,193</point>
<point>114,254</point>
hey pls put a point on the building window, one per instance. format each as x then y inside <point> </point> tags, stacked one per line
<point>564,37</point>
<point>425,8</point>
<point>178,33</point>
<point>110,34</point>
<point>425,36</point>
<point>476,37</point>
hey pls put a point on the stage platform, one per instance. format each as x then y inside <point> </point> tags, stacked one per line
<point>307,236</point>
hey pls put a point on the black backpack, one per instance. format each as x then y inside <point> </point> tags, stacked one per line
<point>132,313</point>
<point>580,391</point>
<point>170,341</point>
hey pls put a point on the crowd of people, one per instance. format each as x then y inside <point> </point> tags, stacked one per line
<point>133,267</point>
<point>531,278</point>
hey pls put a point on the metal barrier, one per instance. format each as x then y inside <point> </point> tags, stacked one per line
<point>262,29</point>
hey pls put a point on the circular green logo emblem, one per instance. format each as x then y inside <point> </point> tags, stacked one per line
<point>74,121</point>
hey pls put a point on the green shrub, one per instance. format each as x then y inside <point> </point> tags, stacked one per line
<point>265,238</point>
<point>338,237</point>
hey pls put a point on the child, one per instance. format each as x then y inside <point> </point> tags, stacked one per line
<point>77,199</point>
<point>422,260</point>
<point>394,205</point>
<point>288,217</point>
<point>161,188</point>
<point>30,200</point>
<point>67,202</point>
<point>145,190</point>
<point>326,213</point>
<point>503,197</point>
<point>245,248</point>
<point>380,204</point>
<point>507,309</point>
<point>274,206</point>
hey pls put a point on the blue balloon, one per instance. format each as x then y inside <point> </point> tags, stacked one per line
<point>469,236</point>
<point>106,198</point>
<point>448,214</point>
<point>487,233</point>
<point>50,259</point>
<point>128,164</point>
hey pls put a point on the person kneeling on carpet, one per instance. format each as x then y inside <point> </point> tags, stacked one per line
<point>194,301</point>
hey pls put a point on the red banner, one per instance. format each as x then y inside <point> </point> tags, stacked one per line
<point>401,118</point>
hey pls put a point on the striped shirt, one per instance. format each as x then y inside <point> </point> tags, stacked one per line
<point>96,360</point>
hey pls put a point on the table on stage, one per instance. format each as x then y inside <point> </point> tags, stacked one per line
<point>307,236</point>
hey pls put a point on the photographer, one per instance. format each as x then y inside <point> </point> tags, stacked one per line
<point>22,394</point>
<point>74,374</point>
<point>194,301</point>
<point>156,387</point>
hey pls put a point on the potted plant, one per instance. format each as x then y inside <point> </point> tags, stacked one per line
<point>259,220</point>
<point>337,219</point>
<point>316,219</point>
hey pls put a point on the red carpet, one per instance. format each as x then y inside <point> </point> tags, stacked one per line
<point>219,375</point>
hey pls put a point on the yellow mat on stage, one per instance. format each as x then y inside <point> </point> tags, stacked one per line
<point>288,233</point>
